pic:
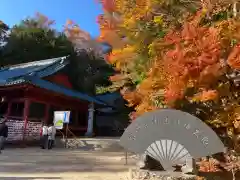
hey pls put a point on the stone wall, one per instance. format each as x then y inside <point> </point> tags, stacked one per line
<point>16,130</point>
<point>33,130</point>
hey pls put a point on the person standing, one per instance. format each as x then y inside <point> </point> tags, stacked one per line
<point>3,134</point>
<point>44,136</point>
<point>51,135</point>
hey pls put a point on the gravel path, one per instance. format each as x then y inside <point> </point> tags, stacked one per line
<point>56,164</point>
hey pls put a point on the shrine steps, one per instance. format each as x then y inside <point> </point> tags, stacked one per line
<point>108,144</point>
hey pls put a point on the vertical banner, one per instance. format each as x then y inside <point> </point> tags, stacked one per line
<point>61,117</point>
<point>66,117</point>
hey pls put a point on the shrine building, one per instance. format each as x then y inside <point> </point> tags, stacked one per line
<point>31,92</point>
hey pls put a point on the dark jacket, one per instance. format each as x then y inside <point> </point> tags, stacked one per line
<point>4,131</point>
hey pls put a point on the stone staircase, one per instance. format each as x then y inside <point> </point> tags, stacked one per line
<point>91,144</point>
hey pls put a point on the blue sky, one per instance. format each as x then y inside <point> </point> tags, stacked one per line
<point>82,12</point>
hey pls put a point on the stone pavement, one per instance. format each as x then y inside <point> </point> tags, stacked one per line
<point>56,164</point>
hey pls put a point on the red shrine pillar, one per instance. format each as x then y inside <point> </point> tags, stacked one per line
<point>25,116</point>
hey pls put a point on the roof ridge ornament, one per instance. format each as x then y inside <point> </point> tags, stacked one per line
<point>36,63</point>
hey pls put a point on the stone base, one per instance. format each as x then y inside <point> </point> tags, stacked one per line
<point>135,174</point>
<point>89,134</point>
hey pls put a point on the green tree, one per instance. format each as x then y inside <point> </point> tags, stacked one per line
<point>3,31</point>
<point>89,72</point>
<point>34,39</point>
<point>89,69</point>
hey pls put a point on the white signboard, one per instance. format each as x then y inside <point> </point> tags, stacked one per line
<point>61,117</point>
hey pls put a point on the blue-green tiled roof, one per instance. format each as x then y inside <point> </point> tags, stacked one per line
<point>34,71</point>
<point>38,68</point>
<point>53,87</point>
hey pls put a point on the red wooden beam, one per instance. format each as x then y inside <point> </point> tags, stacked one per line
<point>31,91</point>
<point>48,97</point>
<point>60,104</point>
<point>25,116</point>
<point>13,87</point>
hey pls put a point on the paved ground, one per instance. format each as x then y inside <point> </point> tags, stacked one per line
<point>36,164</point>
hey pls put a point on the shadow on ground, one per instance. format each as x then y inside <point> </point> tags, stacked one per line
<point>37,162</point>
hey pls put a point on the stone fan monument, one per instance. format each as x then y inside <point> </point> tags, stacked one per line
<point>172,138</point>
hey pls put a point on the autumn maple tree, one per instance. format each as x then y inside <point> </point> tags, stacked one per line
<point>178,55</point>
<point>170,54</point>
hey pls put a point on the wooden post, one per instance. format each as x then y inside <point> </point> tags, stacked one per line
<point>66,135</point>
<point>126,160</point>
<point>25,116</point>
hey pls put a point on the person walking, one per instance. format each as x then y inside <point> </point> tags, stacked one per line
<point>3,134</point>
<point>51,135</point>
<point>44,136</point>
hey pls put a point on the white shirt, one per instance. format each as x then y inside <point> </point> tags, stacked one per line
<point>44,130</point>
<point>51,132</point>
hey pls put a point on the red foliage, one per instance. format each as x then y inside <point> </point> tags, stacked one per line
<point>117,77</point>
<point>234,58</point>
<point>74,32</point>
<point>105,23</point>
<point>132,97</point>
<point>209,165</point>
<point>206,95</point>
<point>173,92</point>
<point>108,5</point>
<point>195,56</point>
